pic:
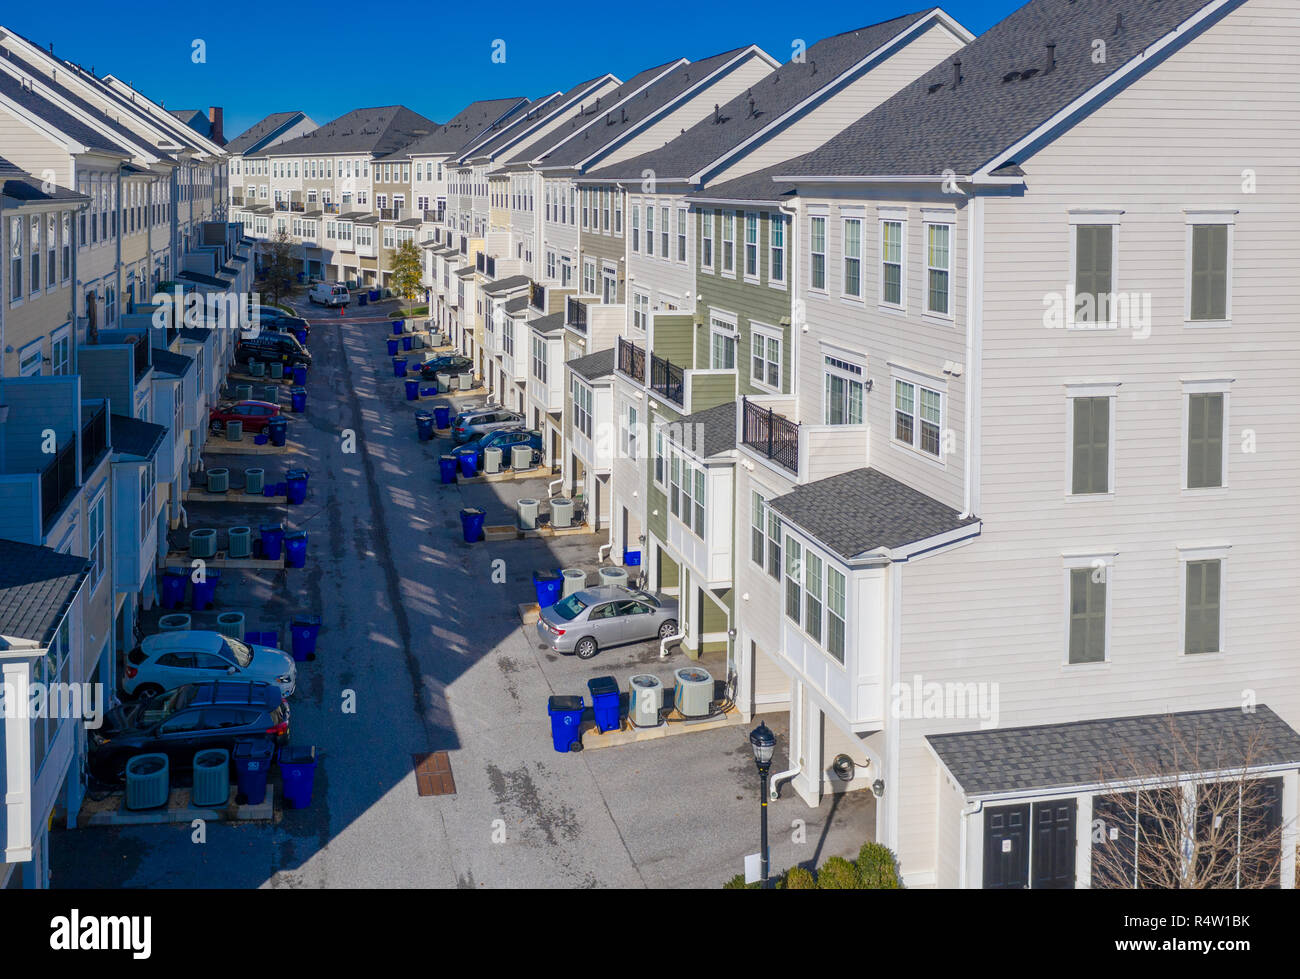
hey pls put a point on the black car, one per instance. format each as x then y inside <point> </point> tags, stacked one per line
<point>271,347</point>
<point>185,720</point>
<point>446,364</point>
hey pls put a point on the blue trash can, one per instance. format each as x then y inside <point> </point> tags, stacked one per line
<point>399,367</point>
<point>296,486</point>
<point>632,559</point>
<point>447,469</point>
<point>298,399</point>
<point>398,327</point>
<point>272,537</point>
<point>362,298</point>
<point>604,702</point>
<point>299,276</point>
<point>406,341</point>
<point>252,766</point>
<point>566,721</point>
<point>471,524</point>
<point>299,375</point>
<point>173,587</point>
<point>428,392</point>
<point>303,631</point>
<point>392,346</point>
<point>442,414</point>
<point>297,774</point>
<point>295,549</point>
<point>424,425</point>
<point>413,390</point>
<point>469,464</point>
<point>205,592</point>
<point>374,295</point>
<point>301,334</point>
<point>278,430</point>
<point>547,586</point>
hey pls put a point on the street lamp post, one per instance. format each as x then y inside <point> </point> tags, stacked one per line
<point>763,741</point>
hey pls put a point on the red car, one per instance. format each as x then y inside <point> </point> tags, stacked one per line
<point>254,414</point>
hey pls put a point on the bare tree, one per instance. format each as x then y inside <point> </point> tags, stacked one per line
<point>279,270</point>
<point>1188,814</point>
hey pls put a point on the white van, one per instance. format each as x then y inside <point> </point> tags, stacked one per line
<point>329,294</point>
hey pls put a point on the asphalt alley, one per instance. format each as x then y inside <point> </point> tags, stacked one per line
<point>435,657</point>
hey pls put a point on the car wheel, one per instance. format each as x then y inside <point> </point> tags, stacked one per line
<point>586,648</point>
<point>147,690</point>
<point>669,628</point>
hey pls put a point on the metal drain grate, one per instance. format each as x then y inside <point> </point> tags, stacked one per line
<point>433,774</point>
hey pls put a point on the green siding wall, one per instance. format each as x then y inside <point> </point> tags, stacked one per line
<point>675,338</point>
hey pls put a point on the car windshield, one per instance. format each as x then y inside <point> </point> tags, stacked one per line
<point>239,652</point>
<point>643,596</point>
<point>569,608</point>
<point>158,709</point>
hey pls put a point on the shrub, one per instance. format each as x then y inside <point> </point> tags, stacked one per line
<point>737,883</point>
<point>876,868</point>
<point>799,879</point>
<point>838,874</point>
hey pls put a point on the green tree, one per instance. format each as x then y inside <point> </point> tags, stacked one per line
<point>407,273</point>
<point>838,874</point>
<point>279,270</point>
<point>800,879</point>
<point>876,867</point>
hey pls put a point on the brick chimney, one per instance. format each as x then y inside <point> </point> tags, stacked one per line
<point>216,116</point>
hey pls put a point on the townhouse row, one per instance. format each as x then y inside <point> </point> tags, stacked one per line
<point>107,203</point>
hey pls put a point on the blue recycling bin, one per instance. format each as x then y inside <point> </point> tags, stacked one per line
<point>173,587</point>
<point>547,586</point>
<point>424,425</point>
<point>605,702</point>
<point>296,486</point>
<point>469,464</point>
<point>471,524</point>
<point>204,593</point>
<point>295,549</point>
<point>566,721</point>
<point>301,334</point>
<point>406,341</point>
<point>413,390</point>
<point>298,399</point>
<point>272,537</point>
<point>362,298</point>
<point>447,469</point>
<point>252,766</point>
<point>632,559</point>
<point>442,415</point>
<point>278,430</point>
<point>392,346</point>
<point>299,276</point>
<point>303,631</point>
<point>297,774</point>
<point>299,375</point>
<point>399,367</point>
<point>398,327</point>
<point>374,295</point>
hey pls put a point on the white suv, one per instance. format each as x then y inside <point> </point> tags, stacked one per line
<point>329,294</point>
<point>172,659</point>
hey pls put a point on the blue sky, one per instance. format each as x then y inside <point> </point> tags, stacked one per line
<point>433,62</point>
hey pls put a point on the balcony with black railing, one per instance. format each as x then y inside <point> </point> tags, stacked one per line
<point>94,438</point>
<point>142,362</point>
<point>575,314</point>
<point>537,296</point>
<point>58,482</point>
<point>769,434</point>
<point>631,360</point>
<point>667,380</point>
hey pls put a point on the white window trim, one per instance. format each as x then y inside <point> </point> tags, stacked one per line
<point>824,557</point>
<point>771,333</point>
<point>918,379</point>
<point>847,215</point>
<point>730,321</point>
<point>1216,386</point>
<point>927,223</point>
<point>1074,562</point>
<point>757,275</point>
<point>1191,219</point>
<point>848,356</point>
<point>899,215</point>
<point>772,221</point>
<point>736,234</point>
<point>823,213</point>
<point>1090,390</point>
<point>1212,552</point>
<point>1089,216</point>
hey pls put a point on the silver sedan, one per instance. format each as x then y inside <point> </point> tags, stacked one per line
<point>610,615</point>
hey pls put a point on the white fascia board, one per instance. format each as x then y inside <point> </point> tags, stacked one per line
<point>72,146</point>
<point>160,118</point>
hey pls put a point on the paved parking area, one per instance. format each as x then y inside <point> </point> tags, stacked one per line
<point>422,649</point>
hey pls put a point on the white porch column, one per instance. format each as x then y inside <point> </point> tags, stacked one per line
<point>1290,807</point>
<point>808,783</point>
<point>18,762</point>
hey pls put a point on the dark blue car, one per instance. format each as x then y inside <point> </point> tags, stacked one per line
<point>504,439</point>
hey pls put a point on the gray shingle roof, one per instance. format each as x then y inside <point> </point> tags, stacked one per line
<point>1112,750</point>
<point>504,131</point>
<point>17,184</point>
<point>177,365</point>
<point>516,305</point>
<point>593,367</point>
<point>46,110</point>
<point>37,586</point>
<point>863,509</point>
<point>756,186</point>
<point>773,95</point>
<point>201,278</point>
<point>930,125</point>
<point>505,285</point>
<point>252,138</point>
<point>135,437</point>
<point>621,112</point>
<point>550,323</point>
<point>463,127</point>
<point>706,433</point>
<point>377,131</point>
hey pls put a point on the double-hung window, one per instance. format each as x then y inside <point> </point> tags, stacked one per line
<point>776,249</point>
<point>938,269</point>
<point>665,232</point>
<point>681,234</point>
<point>853,257</point>
<point>706,239</point>
<point>891,263</point>
<point>722,345</point>
<point>649,229</point>
<point>1206,411</point>
<point>1091,418</point>
<point>751,246</point>
<point>1094,274</point>
<point>918,416</point>
<point>1087,584</point>
<point>765,536</point>
<point>794,567</point>
<point>539,358</point>
<point>765,356</point>
<point>844,392</point>
<point>836,592</point>
<point>1209,254</point>
<point>1203,599</point>
<point>728,242</point>
<point>636,227</point>
<point>812,594</point>
<point>817,252</point>
<point>582,398</point>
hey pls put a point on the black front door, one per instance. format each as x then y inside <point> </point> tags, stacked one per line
<point>1006,847</point>
<point>1054,844</point>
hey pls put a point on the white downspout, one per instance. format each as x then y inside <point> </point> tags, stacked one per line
<point>795,210</point>
<point>974,349</point>
<point>977,805</point>
<point>796,743</point>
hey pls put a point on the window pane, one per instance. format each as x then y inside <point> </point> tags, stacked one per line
<point>1092,285</point>
<point>1210,272</point>
<point>1203,583</point>
<point>1091,445</point>
<point>793,570</point>
<point>1087,615</point>
<point>1204,440</point>
<point>812,596</point>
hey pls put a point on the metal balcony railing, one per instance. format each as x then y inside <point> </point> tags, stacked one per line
<point>667,380</point>
<point>773,435</point>
<point>141,357</point>
<point>94,439</point>
<point>58,481</point>
<point>537,296</point>
<point>631,360</point>
<point>575,314</point>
